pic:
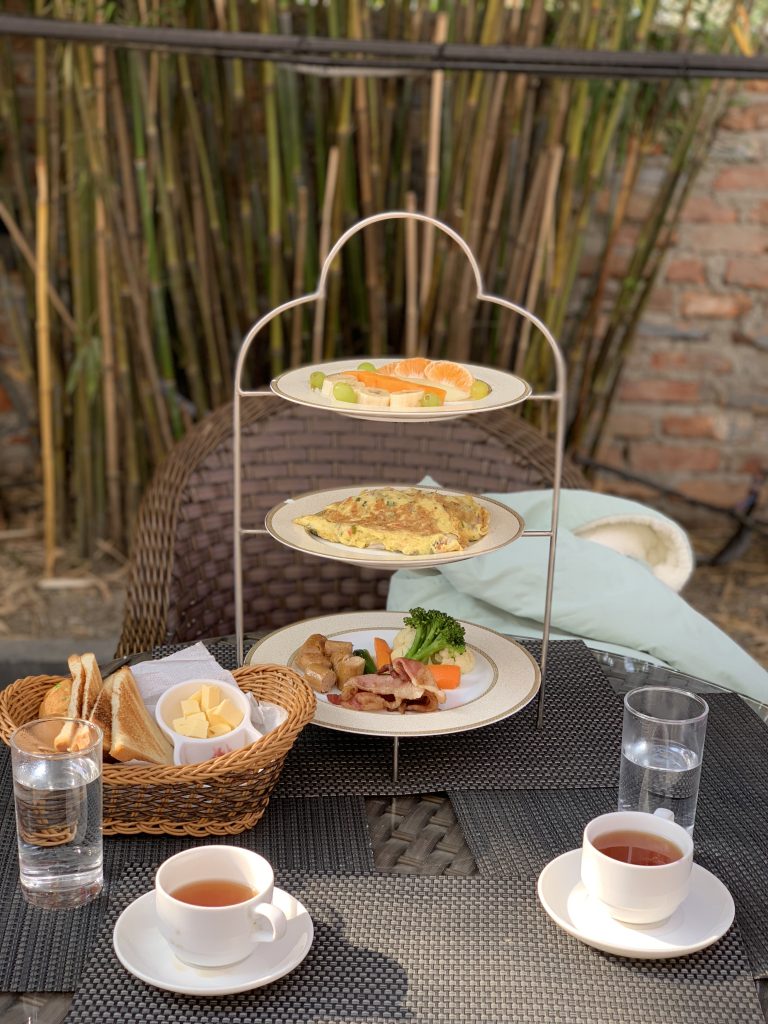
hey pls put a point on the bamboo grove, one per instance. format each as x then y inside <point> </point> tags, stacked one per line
<point>157,204</point>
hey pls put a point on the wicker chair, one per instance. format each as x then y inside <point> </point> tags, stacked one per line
<point>181,584</point>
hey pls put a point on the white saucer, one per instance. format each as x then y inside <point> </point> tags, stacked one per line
<point>143,951</point>
<point>703,917</point>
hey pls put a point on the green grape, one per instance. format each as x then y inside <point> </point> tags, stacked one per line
<point>366,366</point>
<point>344,392</point>
<point>430,400</point>
<point>316,380</point>
<point>479,390</point>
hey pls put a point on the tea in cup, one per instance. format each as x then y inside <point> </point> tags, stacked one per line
<point>637,865</point>
<point>214,905</point>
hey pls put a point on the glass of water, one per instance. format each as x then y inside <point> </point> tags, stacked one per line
<point>58,811</point>
<point>662,745</point>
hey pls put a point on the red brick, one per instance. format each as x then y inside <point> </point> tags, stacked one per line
<point>690,361</point>
<point>759,212</point>
<point>714,490</point>
<point>627,236</point>
<point>686,271</point>
<point>748,178</point>
<point>736,238</point>
<point>714,307</point>
<point>756,463</point>
<point>756,85</point>
<point>626,424</point>
<point>690,426</point>
<point>639,206</point>
<point>609,484</point>
<point>655,390</point>
<point>611,454</point>
<point>662,300</point>
<point>619,262</point>
<point>703,210</point>
<point>740,119</point>
<point>749,273</point>
<point>651,457</point>
<point>5,401</point>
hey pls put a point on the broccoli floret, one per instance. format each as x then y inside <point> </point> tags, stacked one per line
<point>434,631</point>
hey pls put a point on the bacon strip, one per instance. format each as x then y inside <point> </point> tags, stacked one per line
<point>406,685</point>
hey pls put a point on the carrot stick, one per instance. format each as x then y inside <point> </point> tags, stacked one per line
<point>447,677</point>
<point>382,652</point>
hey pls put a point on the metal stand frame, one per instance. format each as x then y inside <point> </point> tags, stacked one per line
<point>557,396</point>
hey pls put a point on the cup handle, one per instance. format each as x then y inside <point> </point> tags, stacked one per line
<point>277,923</point>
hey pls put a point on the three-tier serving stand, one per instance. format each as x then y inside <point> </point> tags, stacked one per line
<point>557,396</point>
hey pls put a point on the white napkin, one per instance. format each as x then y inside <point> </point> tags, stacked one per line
<point>197,662</point>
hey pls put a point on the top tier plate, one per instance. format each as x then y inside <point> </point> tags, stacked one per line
<point>506,389</point>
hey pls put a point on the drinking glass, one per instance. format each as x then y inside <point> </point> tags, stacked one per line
<point>58,812</point>
<point>662,746</point>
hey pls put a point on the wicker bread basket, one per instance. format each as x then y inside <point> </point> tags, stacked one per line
<point>220,797</point>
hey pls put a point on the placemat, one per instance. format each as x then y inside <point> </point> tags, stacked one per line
<point>516,834</point>
<point>44,951</point>
<point>578,745</point>
<point>435,950</point>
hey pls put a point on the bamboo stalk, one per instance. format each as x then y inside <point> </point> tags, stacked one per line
<point>411,279</point>
<point>329,199</point>
<point>433,160</point>
<point>44,358</point>
<point>103,262</point>
<point>298,274</point>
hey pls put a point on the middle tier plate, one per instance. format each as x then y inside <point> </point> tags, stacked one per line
<point>505,525</point>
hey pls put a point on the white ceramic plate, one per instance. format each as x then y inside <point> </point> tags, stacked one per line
<point>143,951</point>
<point>506,389</point>
<point>505,525</point>
<point>703,917</point>
<point>505,677</point>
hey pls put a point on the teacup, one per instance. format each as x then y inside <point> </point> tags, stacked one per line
<point>216,935</point>
<point>649,890</point>
<point>188,750</point>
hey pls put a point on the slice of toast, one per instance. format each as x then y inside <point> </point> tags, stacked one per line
<point>92,683</point>
<point>65,738</point>
<point>101,713</point>
<point>135,735</point>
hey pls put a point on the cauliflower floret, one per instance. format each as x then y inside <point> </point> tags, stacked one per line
<point>464,659</point>
<point>403,641</point>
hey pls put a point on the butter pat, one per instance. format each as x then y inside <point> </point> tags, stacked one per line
<point>195,725</point>
<point>210,698</point>
<point>190,706</point>
<point>226,712</point>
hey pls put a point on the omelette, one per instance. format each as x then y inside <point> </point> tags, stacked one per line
<point>405,519</point>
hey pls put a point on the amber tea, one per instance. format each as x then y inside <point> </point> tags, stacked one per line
<point>642,848</point>
<point>213,892</point>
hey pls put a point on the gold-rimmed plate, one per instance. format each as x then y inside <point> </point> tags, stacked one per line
<point>504,680</point>
<point>506,390</point>
<point>505,526</point>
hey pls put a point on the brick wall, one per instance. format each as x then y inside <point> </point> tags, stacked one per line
<point>692,408</point>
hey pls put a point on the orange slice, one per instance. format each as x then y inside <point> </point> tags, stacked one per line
<point>389,368</point>
<point>413,367</point>
<point>450,375</point>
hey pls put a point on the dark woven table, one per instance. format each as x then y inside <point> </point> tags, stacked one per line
<point>476,948</point>
<point>442,950</point>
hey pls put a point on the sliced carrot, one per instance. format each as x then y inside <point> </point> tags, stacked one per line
<point>382,652</point>
<point>372,379</point>
<point>447,677</point>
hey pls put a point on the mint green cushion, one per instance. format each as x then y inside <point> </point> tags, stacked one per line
<point>609,600</point>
